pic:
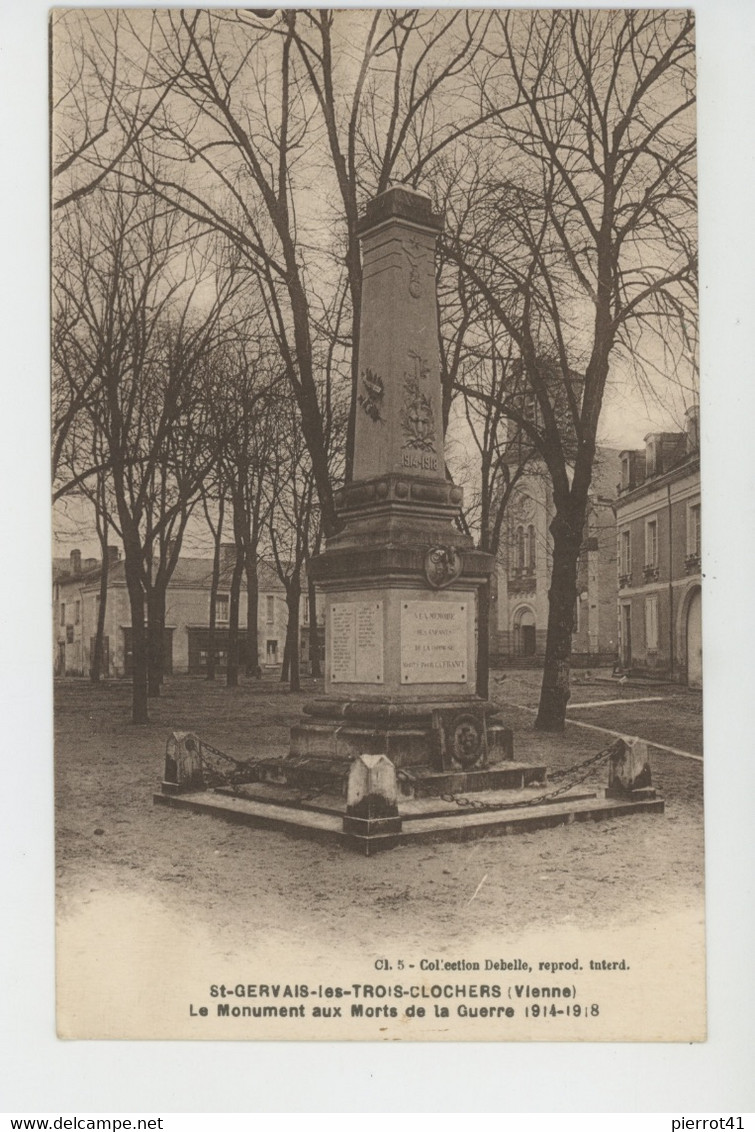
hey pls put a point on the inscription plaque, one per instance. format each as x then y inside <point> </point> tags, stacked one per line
<point>434,642</point>
<point>356,642</point>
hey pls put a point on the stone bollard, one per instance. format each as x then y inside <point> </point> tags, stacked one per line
<point>372,820</point>
<point>183,764</point>
<point>629,771</point>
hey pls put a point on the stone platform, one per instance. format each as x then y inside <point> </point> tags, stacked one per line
<point>369,805</point>
<point>324,818</point>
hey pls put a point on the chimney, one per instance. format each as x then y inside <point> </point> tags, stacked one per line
<point>632,468</point>
<point>75,561</point>
<point>227,555</point>
<point>113,554</point>
<point>693,428</point>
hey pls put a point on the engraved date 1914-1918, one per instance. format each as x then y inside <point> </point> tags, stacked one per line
<point>419,460</point>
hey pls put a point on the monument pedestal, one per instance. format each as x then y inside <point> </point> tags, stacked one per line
<point>399,739</point>
<point>400,578</point>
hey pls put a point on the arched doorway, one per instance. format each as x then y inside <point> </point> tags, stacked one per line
<point>695,641</point>
<point>524,632</point>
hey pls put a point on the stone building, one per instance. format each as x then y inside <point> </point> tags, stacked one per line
<point>76,586</point>
<point>520,607</point>
<point>658,534</point>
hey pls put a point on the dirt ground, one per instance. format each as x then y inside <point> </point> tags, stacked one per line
<point>257,884</point>
<point>660,712</point>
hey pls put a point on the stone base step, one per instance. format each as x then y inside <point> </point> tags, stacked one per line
<point>419,782</point>
<point>322,801</point>
<point>417,809</point>
<point>410,809</point>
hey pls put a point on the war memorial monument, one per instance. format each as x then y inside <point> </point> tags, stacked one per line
<point>400,747</point>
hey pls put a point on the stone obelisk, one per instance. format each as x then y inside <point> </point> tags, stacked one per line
<point>399,580</point>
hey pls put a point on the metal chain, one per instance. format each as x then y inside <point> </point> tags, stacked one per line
<point>238,763</point>
<point>463,801</point>
<point>587,765</point>
<point>242,767</point>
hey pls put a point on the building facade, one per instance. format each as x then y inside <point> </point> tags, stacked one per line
<point>658,551</point>
<point>520,608</point>
<point>76,594</point>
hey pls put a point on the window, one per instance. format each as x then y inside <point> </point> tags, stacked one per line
<point>62,613</point>
<point>693,530</point>
<point>77,613</point>
<point>270,611</point>
<point>531,547</point>
<point>651,542</point>
<point>651,622</point>
<point>625,556</point>
<point>272,652</point>
<point>222,608</point>
<point>520,548</point>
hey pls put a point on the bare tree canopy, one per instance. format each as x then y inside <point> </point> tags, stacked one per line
<point>584,249</point>
<point>209,168</point>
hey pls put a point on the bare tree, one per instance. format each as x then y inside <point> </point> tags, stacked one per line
<point>290,523</point>
<point>249,95</point>
<point>243,400</point>
<point>386,111</point>
<point>585,251</point>
<point>215,523</point>
<point>149,311</point>
<point>487,383</point>
<point>101,98</point>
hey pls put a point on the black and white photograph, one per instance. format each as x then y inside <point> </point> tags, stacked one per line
<point>377,543</point>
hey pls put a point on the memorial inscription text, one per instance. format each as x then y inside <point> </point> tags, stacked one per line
<point>434,642</point>
<point>356,642</point>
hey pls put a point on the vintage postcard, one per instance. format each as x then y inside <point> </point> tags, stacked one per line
<point>377,630</point>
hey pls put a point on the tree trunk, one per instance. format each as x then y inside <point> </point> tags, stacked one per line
<point>96,669</point>
<point>156,639</point>
<point>252,604</point>
<point>286,665</point>
<point>562,596</point>
<point>214,586</point>
<point>314,639</point>
<point>483,640</point>
<point>232,674</point>
<point>139,709</point>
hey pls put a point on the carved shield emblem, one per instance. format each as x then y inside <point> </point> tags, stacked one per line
<point>442,566</point>
<point>467,741</point>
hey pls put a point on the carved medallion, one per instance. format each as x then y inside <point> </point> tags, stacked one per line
<point>442,566</point>
<point>467,742</point>
<point>371,397</point>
